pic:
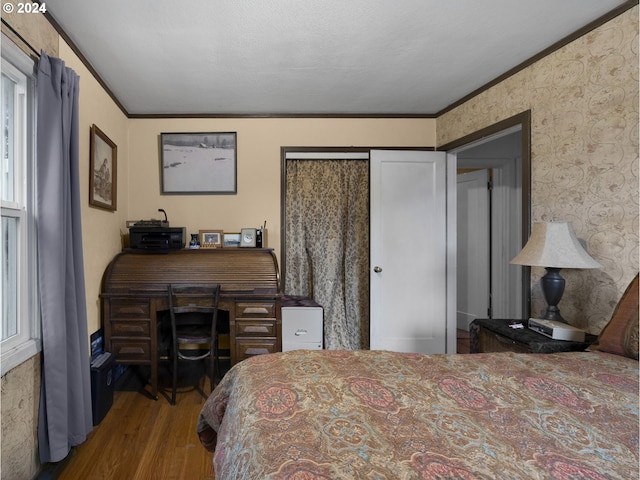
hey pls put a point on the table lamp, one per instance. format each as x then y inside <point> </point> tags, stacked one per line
<point>554,245</point>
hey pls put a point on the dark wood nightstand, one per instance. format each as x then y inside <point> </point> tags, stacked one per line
<point>495,335</point>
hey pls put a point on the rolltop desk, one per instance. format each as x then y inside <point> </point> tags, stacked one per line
<point>134,293</point>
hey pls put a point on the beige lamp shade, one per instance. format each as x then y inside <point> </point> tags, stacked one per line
<point>555,245</point>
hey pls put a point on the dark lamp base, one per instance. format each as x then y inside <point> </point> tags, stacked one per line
<point>552,288</point>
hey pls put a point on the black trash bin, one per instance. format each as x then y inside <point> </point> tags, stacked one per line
<point>102,385</point>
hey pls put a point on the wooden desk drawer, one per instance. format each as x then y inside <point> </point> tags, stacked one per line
<point>130,308</point>
<point>492,342</point>
<point>131,328</point>
<point>246,347</point>
<point>265,309</point>
<point>256,328</point>
<point>128,351</point>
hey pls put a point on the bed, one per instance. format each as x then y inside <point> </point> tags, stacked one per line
<point>388,415</point>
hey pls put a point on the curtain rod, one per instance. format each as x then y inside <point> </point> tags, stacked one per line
<point>22,39</point>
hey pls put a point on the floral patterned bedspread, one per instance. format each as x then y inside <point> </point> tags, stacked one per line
<point>383,415</point>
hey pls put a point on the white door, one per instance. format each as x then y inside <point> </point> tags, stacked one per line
<point>408,251</point>
<point>473,278</point>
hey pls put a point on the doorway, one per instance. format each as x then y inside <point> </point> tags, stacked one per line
<point>488,286</point>
<point>473,249</point>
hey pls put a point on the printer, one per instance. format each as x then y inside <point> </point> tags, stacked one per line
<point>156,235</point>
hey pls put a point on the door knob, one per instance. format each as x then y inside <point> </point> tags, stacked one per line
<point>377,269</point>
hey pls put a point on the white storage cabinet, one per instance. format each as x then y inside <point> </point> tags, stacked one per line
<point>302,326</point>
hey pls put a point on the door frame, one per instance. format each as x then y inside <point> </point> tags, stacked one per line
<point>523,122</point>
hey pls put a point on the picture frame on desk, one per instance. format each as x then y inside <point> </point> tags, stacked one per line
<point>248,237</point>
<point>231,240</point>
<point>103,176</point>
<point>211,238</point>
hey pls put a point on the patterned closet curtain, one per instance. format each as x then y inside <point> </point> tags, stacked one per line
<point>327,244</point>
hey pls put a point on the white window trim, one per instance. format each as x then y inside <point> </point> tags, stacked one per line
<point>13,353</point>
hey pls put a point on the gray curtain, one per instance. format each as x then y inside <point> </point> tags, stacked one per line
<point>65,396</point>
<point>327,244</point>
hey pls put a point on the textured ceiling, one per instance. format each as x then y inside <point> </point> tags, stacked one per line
<point>278,57</point>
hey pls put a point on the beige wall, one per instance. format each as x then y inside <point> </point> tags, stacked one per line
<point>584,155</point>
<point>258,151</point>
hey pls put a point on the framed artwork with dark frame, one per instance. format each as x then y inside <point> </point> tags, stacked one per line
<point>231,239</point>
<point>198,163</point>
<point>211,238</point>
<point>103,171</point>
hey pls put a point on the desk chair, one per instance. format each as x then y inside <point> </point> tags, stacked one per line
<point>194,312</point>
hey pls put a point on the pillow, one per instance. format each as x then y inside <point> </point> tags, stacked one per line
<point>620,335</point>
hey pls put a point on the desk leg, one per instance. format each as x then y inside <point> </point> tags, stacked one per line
<point>154,378</point>
<point>154,351</point>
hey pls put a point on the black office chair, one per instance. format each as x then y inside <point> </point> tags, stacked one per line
<point>194,313</point>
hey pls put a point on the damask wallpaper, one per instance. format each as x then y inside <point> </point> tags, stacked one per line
<point>584,155</point>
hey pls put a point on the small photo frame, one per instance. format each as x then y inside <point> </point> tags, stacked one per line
<point>103,172</point>
<point>248,237</point>
<point>198,163</point>
<point>211,238</point>
<point>231,240</point>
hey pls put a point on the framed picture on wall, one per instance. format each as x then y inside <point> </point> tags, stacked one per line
<point>198,163</point>
<point>103,170</point>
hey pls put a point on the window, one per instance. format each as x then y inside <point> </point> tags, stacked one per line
<point>20,316</point>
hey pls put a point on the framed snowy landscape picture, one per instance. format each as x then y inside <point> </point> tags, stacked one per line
<point>198,163</point>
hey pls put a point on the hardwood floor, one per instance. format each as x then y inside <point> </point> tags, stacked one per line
<point>141,438</point>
